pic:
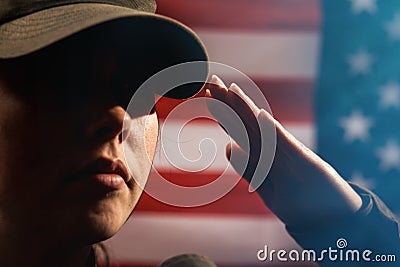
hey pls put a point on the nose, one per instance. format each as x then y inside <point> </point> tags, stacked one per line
<point>110,124</point>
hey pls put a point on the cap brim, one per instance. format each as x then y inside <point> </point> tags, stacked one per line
<point>160,41</point>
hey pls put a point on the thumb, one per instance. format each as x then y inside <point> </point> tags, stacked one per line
<point>255,166</point>
<point>239,159</point>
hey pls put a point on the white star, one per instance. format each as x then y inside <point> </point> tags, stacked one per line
<point>390,95</point>
<point>359,179</point>
<point>360,62</point>
<point>359,6</point>
<point>393,28</point>
<point>389,156</point>
<point>356,126</point>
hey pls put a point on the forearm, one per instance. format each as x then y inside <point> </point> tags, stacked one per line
<point>300,184</point>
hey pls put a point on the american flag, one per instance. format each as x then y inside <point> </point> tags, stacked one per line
<point>342,104</point>
<point>358,95</point>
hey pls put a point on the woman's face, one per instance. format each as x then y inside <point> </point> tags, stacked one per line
<point>62,167</point>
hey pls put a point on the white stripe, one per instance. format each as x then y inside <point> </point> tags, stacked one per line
<point>202,146</point>
<point>259,54</point>
<point>234,240</point>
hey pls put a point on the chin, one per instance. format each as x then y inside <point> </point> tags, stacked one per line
<point>106,220</point>
<point>101,220</point>
<point>91,218</point>
<point>101,233</point>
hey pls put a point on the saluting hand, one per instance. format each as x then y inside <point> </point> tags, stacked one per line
<point>299,186</point>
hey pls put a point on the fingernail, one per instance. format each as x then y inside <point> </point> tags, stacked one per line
<point>215,79</point>
<point>234,87</point>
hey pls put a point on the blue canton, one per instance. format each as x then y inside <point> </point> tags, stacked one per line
<point>358,93</point>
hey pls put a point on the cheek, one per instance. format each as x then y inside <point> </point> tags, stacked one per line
<point>13,135</point>
<point>151,134</point>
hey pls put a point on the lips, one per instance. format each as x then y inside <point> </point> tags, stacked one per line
<point>110,173</point>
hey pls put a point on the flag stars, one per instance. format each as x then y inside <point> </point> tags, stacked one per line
<point>359,179</point>
<point>389,156</point>
<point>390,95</point>
<point>393,28</point>
<point>356,127</point>
<point>360,62</point>
<point>358,6</point>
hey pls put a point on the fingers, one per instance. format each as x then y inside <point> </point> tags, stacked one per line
<point>237,157</point>
<point>234,110</point>
<point>252,151</point>
<point>235,88</point>
<point>234,95</point>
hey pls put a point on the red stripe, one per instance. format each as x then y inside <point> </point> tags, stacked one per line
<point>292,15</point>
<point>290,100</point>
<point>238,201</point>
